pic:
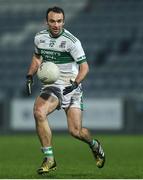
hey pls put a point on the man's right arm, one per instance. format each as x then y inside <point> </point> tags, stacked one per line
<point>36,61</point>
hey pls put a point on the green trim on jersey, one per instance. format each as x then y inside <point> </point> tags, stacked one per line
<point>80,62</point>
<point>56,56</point>
<point>81,58</point>
<point>42,32</point>
<point>69,36</point>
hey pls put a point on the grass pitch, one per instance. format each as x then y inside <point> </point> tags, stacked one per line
<point>20,157</point>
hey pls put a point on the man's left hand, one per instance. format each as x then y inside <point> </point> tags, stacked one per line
<point>29,83</point>
<point>70,88</point>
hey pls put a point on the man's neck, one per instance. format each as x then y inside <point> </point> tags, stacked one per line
<point>56,36</point>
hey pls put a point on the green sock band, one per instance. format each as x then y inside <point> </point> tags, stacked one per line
<point>48,151</point>
<point>93,143</point>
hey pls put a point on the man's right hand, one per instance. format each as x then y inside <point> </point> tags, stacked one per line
<point>29,83</point>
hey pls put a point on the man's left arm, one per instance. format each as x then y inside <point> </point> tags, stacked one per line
<point>83,70</point>
<point>78,55</point>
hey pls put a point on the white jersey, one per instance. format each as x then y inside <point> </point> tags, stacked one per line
<point>65,50</point>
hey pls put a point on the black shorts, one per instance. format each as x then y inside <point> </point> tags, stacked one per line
<point>51,91</point>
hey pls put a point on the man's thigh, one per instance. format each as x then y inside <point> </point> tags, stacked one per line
<point>46,106</point>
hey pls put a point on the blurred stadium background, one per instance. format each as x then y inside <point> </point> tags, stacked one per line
<point>112,35</point>
<point>111,32</point>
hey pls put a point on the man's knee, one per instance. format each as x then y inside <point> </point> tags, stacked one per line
<point>39,114</point>
<point>84,131</point>
<point>75,132</point>
<point>79,133</point>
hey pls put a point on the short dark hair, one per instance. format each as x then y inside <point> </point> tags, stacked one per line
<point>56,10</point>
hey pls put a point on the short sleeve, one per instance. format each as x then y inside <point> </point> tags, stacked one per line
<point>36,49</point>
<point>78,53</point>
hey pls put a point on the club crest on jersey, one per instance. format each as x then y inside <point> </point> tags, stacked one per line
<point>63,44</point>
<point>52,43</point>
<point>42,41</point>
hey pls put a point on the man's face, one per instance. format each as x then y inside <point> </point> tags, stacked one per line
<point>55,23</point>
